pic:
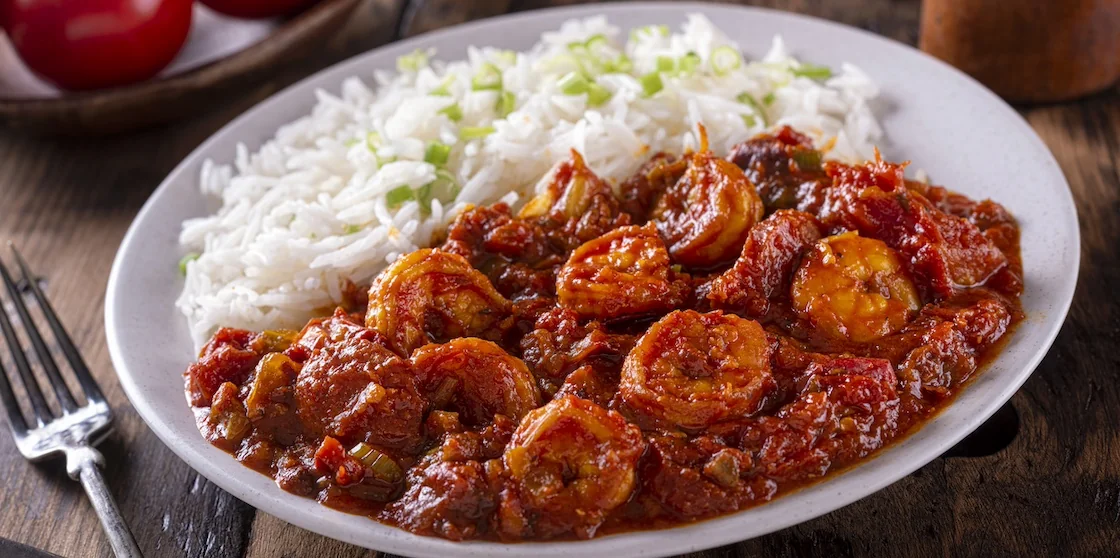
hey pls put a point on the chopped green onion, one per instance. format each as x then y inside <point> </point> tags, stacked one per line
<point>621,65</point>
<point>749,120</point>
<point>812,71</point>
<point>725,59</point>
<point>412,62</point>
<point>597,94</point>
<point>424,196</point>
<point>399,195</point>
<point>475,132</point>
<point>808,159</point>
<point>768,99</point>
<point>373,141</point>
<point>688,63</point>
<point>442,90</point>
<point>452,112</point>
<point>351,229</point>
<point>573,84</point>
<point>651,84</point>
<point>437,153</point>
<point>649,30</point>
<point>746,99</point>
<point>351,142</point>
<point>594,41</point>
<point>663,29</point>
<point>507,57</point>
<point>666,64</point>
<point>488,76</point>
<point>186,260</point>
<point>507,101</point>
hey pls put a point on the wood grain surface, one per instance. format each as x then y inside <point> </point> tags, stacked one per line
<point>1042,478</point>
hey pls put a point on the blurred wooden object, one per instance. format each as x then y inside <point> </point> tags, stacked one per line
<point>180,96</point>
<point>1040,50</point>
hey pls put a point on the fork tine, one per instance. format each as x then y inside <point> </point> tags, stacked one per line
<point>8,402</point>
<point>30,385</point>
<point>65,400</point>
<point>77,363</point>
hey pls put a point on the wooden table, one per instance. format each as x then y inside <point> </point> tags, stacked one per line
<point>1041,478</point>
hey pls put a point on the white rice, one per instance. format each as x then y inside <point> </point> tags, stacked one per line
<point>310,209</point>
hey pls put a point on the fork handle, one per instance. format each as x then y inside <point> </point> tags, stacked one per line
<point>84,463</point>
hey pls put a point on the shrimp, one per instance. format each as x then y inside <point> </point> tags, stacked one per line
<point>942,251</point>
<point>475,378</point>
<point>430,295</point>
<point>569,463</point>
<point>854,288</point>
<point>706,214</point>
<point>568,190</point>
<point>692,370</point>
<point>622,273</point>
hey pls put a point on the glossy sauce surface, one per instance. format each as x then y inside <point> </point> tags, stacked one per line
<point>718,332</point>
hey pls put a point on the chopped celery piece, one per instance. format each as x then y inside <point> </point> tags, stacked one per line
<point>488,76</point>
<point>475,132</point>
<point>507,101</point>
<point>651,84</point>
<point>437,153</point>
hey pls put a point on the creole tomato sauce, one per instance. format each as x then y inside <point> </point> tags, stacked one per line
<point>716,333</point>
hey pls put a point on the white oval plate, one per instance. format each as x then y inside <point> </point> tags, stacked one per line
<point>942,120</point>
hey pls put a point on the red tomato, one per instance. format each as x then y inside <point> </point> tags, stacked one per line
<point>255,9</point>
<point>91,44</point>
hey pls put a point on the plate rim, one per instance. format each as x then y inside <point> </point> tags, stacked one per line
<point>612,545</point>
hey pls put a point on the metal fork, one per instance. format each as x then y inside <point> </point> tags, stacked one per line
<point>72,433</point>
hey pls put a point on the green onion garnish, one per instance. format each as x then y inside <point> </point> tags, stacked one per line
<point>666,64</point>
<point>746,99</point>
<point>373,141</point>
<point>351,229</point>
<point>399,195</point>
<point>573,84</point>
<point>412,62</point>
<point>597,94</point>
<point>688,63</point>
<point>452,112</point>
<point>768,99</point>
<point>475,132</point>
<point>651,84</point>
<point>621,65</point>
<point>186,260</point>
<point>594,41</point>
<point>507,57</point>
<point>812,71</point>
<point>749,120</point>
<point>507,101</point>
<point>442,90</point>
<point>488,76</point>
<point>437,153</point>
<point>725,59</point>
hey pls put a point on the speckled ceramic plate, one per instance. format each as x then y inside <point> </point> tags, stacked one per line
<point>933,115</point>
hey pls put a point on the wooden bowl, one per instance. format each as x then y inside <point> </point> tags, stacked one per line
<point>179,96</point>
